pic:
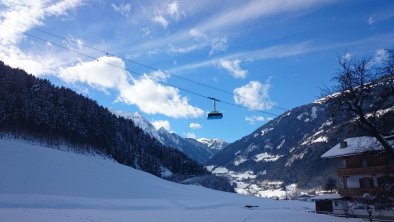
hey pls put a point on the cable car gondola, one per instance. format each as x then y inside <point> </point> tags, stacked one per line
<point>214,114</point>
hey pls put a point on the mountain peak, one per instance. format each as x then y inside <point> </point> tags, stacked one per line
<point>215,144</point>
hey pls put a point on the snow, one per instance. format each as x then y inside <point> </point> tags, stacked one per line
<point>355,145</point>
<point>308,117</point>
<point>315,139</point>
<point>215,144</point>
<point>42,184</point>
<point>220,170</point>
<point>146,126</point>
<point>281,144</point>
<point>265,131</point>
<point>266,157</point>
<point>239,160</point>
<point>295,157</point>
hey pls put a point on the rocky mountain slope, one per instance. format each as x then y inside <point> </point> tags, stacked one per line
<point>200,151</point>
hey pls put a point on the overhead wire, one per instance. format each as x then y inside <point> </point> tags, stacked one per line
<point>155,78</point>
<point>153,68</point>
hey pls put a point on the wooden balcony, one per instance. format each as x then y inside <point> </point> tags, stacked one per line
<point>386,169</point>
<point>358,192</point>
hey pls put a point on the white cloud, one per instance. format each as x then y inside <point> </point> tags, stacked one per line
<point>371,20</point>
<point>347,56</point>
<point>190,135</point>
<point>162,124</point>
<point>123,9</point>
<point>254,119</point>
<point>61,7</point>
<point>254,95</point>
<point>16,19</point>
<point>195,33</point>
<point>174,11</point>
<point>380,56</point>
<point>108,73</point>
<point>195,126</point>
<point>233,67</point>
<point>161,20</point>
<point>171,11</point>
<point>103,74</point>
<point>154,98</point>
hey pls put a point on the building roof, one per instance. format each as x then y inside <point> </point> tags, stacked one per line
<point>333,196</point>
<point>355,145</point>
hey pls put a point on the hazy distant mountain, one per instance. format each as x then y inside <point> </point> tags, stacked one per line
<point>195,150</point>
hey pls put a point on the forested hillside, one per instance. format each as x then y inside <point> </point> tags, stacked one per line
<point>34,108</point>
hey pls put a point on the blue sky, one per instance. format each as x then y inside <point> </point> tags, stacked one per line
<point>263,55</point>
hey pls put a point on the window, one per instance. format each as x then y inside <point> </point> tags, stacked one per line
<point>344,179</point>
<point>364,163</point>
<point>366,182</point>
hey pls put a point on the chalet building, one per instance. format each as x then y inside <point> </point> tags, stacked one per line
<point>365,167</point>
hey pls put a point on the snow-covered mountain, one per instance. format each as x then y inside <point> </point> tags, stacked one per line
<point>145,125</point>
<point>214,144</point>
<point>193,149</point>
<point>288,149</point>
<point>42,184</point>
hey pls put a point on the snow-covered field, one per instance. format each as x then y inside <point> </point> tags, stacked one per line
<point>43,184</point>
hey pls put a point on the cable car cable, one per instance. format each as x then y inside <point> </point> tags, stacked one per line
<point>151,67</point>
<point>156,79</point>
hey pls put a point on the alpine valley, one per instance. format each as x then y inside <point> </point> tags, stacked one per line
<point>286,152</point>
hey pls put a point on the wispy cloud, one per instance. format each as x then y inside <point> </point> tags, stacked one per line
<point>218,44</point>
<point>233,67</point>
<point>190,135</point>
<point>171,11</point>
<point>253,119</point>
<point>161,20</point>
<point>123,9</point>
<point>278,51</point>
<point>381,16</point>
<point>255,9</point>
<point>216,25</point>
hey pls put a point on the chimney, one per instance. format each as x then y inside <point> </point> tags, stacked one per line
<point>343,144</point>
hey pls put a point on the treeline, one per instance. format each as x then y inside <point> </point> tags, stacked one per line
<point>35,107</point>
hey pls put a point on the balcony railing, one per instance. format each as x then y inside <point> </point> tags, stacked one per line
<point>358,192</point>
<point>386,169</point>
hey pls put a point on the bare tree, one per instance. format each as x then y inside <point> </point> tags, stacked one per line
<point>362,91</point>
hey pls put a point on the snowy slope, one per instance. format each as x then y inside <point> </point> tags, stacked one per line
<point>214,144</point>
<point>42,184</point>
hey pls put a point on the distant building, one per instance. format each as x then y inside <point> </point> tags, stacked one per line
<point>365,166</point>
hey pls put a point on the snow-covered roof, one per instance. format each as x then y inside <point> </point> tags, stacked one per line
<point>355,145</point>
<point>332,196</point>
